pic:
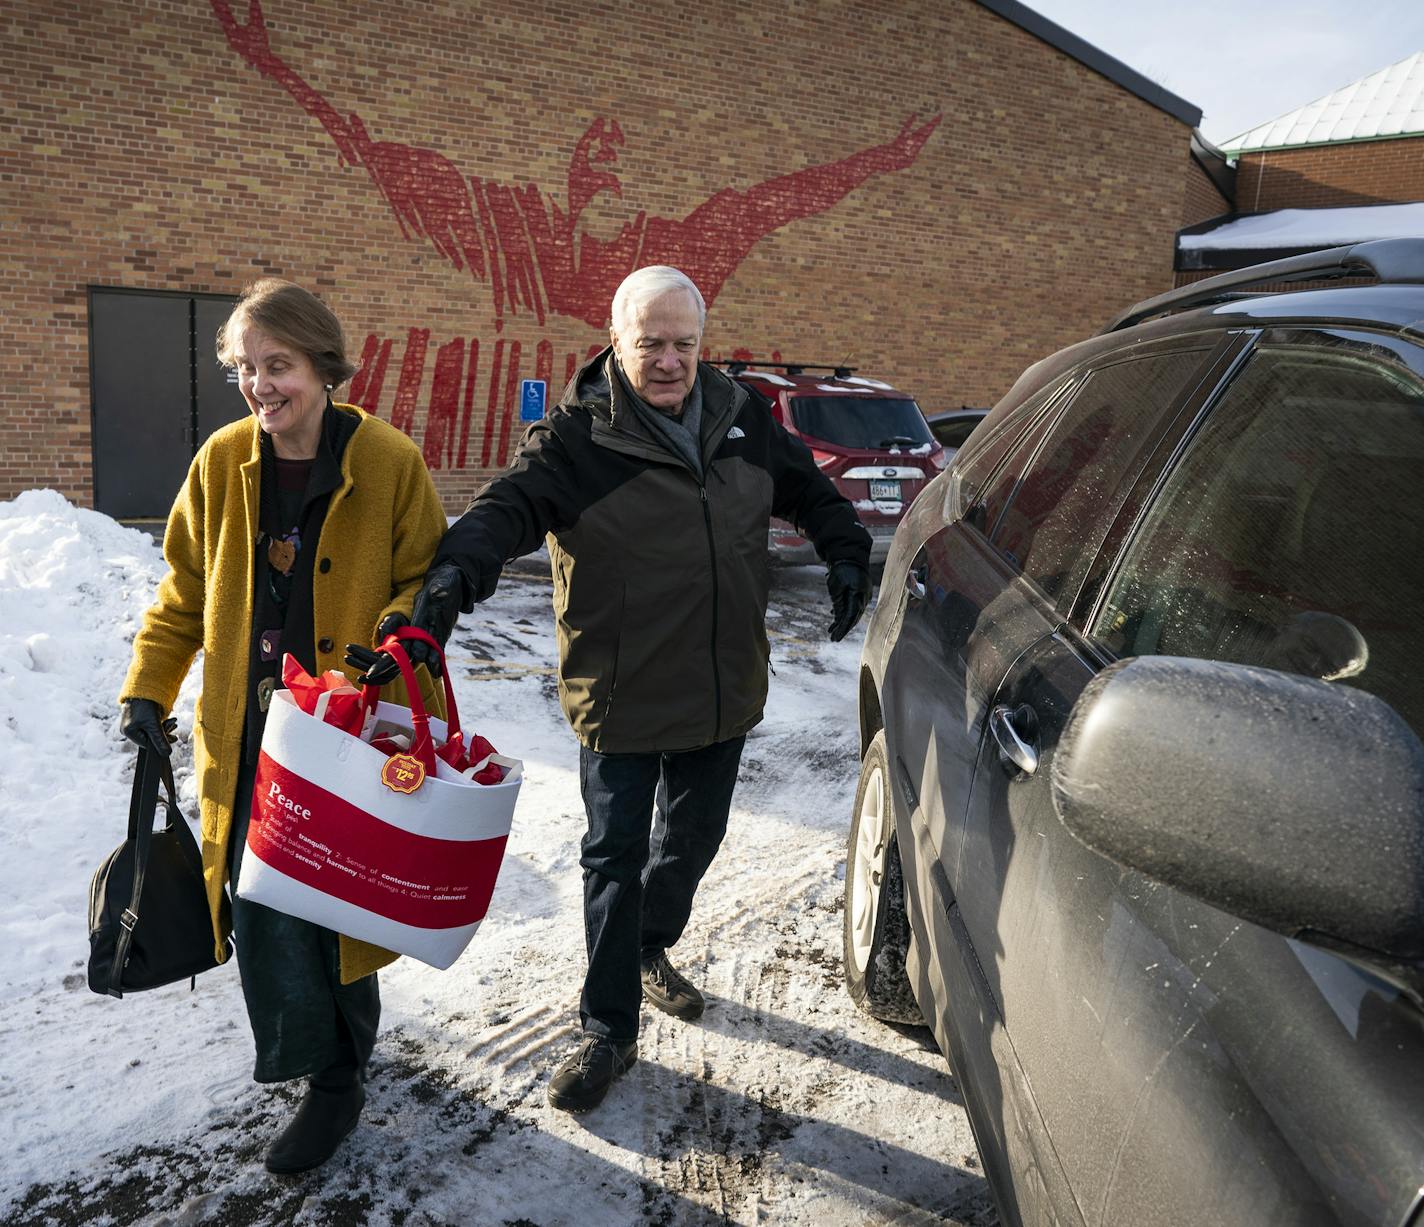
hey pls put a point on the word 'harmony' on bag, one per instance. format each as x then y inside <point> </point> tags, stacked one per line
<point>401,850</point>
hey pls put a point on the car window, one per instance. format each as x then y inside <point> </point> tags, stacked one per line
<point>1291,534</point>
<point>980,476</point>
<point>954,431</point>
<point>985,514</point>
<point>870,422</point>
<point>1059,511</point>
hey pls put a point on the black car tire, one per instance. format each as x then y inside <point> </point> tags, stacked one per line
<point>877,931</point>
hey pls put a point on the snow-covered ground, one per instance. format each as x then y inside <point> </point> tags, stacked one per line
<point>783,1104</point>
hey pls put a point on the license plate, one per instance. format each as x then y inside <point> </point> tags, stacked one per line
<point>885,490</point>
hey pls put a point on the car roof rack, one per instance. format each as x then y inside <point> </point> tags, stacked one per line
<point>735,366</point>
<point>1388,261</point>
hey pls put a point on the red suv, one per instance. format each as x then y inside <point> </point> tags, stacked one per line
<point>871,440</point>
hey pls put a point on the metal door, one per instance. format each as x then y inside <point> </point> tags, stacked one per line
<point>984,591</point>
<point>1108,987</point>
<point>158,392</point>
<point>141,355</point>
<point>214,385</point>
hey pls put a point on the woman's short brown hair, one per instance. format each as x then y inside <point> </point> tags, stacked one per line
<point>293,316</point>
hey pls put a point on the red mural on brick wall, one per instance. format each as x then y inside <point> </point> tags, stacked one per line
<point>533,252</point>
<point>452,412</point>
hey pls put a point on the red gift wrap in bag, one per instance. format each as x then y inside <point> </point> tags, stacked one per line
<point>478,760</point>
<point>400,848</point>
<point>330,698</point>
<point>475,760</point>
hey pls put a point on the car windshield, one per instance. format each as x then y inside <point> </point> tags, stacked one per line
<point>870,422</point>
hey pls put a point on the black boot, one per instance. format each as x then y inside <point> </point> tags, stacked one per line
<point>323,1118</point>
<point>582,1081</point>
<point>668,989</point>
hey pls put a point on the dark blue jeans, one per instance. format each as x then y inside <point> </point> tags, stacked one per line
<point>655,821</point>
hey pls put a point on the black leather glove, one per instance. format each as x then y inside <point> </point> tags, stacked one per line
<point>849,586</point>
<point>378,668</point>
<point>437,607</point>
<point>142,722</point>
<point>480,586</point>
<point>438,604</point>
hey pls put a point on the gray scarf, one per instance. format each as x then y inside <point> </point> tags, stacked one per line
<point>682,434</point>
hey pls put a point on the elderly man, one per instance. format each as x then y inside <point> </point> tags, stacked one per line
<point>654,479</point>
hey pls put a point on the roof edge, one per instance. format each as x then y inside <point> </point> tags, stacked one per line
<point>1099,61</point>
<point>1237,153</point>
<point>1215,166</point>
<point>1388,261</point>
<point>1200,260</point>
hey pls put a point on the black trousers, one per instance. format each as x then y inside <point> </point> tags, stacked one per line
<point>637,898</point>
<point>304,1020</point>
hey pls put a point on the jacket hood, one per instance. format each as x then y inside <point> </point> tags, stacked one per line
<point>589,385</point>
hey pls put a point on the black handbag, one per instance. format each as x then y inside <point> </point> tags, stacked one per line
<point>149,923</point>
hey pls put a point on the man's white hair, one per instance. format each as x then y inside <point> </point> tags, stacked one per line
<point>640,288</point>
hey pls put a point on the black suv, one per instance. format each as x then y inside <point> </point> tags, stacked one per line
<point>1140,823</point>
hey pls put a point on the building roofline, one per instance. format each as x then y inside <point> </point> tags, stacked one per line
<point>1285,240</point>
<point>1215,166</point>
<point>1099,61</point>
<point>1387,261</point>
<point>1375,107</point>
<point>1235,155</point>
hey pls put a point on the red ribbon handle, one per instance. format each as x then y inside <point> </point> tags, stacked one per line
<point>423,746</point>
<point>414,634</point>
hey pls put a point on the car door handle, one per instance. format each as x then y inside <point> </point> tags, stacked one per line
<point>1015,730</point>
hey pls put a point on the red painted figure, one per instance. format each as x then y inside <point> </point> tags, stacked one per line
<point>532,251</point>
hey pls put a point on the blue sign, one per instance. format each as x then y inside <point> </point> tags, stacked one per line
<point>532,394</point>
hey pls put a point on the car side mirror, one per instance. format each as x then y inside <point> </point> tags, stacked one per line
<point>1292,803</point>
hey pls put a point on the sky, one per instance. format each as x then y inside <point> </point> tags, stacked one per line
<point>1244,62</point>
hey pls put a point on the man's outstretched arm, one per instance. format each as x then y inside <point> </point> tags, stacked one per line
<point>508,518</point>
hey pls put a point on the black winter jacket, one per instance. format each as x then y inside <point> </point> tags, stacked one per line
<point>660,577</point>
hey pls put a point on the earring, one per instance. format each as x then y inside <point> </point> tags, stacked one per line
<point>330,386</point>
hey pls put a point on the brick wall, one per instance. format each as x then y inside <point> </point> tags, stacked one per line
<point>1322,176</point>
<point>1203,199</point>
<point>441,173</point>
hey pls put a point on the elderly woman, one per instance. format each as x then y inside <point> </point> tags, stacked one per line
<point>301,528</point>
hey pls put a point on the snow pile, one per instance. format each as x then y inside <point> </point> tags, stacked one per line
<point>73,588</point>
<point>1289,229</point>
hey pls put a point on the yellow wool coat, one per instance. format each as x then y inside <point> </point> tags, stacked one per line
<point>381,529</point>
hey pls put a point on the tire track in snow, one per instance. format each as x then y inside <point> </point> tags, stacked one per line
<point>513,1043</point>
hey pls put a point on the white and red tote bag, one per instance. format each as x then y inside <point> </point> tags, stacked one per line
<point>398,850</point>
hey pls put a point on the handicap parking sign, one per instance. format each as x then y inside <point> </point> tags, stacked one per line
<point>531,399</point>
